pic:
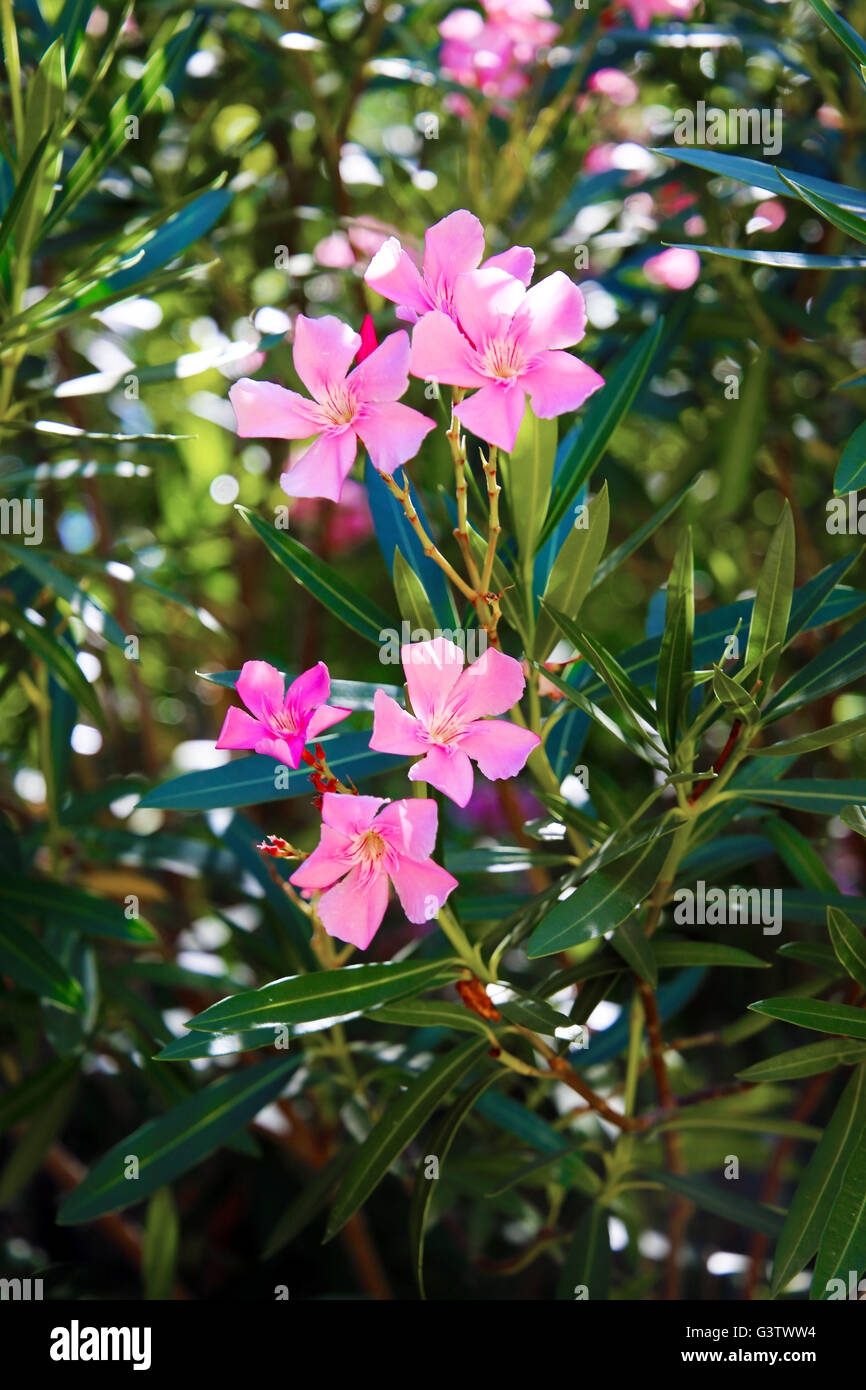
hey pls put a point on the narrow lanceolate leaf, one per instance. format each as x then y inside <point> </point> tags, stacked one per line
<point>425,1185</point>
<point>808,743</point>
<point>602,902</point>
<point>412,601</point>
<point>806,1061</point>
<point>678,954</point>
<point>827,798</point>
<point>842,30</point>
<point>573,570</point>
<point>851,471</point>
<point>79,911</point>
<point>431,1013</point>
<point>170,1145</point>
<point>528,475</point>
<point>630,699</point>
<point>603,415</point>
<point>855,818</point>
<point>26,961</point>
<point>57,658</point>
<point>821,1014</point>
<point>636,950</point>
<point>159,1249</point>
<point>848,943</point>
<point>675,654</point>
<point>323,994</point>
<point>733,696</point>
<point>341,598</point>
<point>587,1263</point>
<point>306,1206</point>
<point>813,1200</point>
<point>843,1242</point>
<point>846,221</point>
<point>637,538</point>
<point>773,601</point>
<point>755,1216</point>
<point>800,857</point>
<point>400,1123</point>
<point>839,664</point>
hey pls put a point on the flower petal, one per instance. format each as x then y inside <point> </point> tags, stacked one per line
<point>328,862</point>
<point>409,826</point>
<point>394,276</point>
<point>422,888</point>
<point>264,410</point>
<point>351,815</point>
<point>239,730</point>
<point>262,688</point>
<point>553,314</point>
<point>432,669</point>
<point>451,246</point>
<point>392,433</point>
<point>323,352</point>
<point>485,302</point>
<point>518,261</point>
<point>558,382</point>
<point>353,909</point>
<point>285,748</point>
<point>384,374</point>
<point>394,729</point>
<point>324,717</point>
<point>440,352</point>
<point>491,685</point>
<point>309,689</point>
<point>495,412</point>
<point>323,469</point>
<point>448,770</point>
<point>499,747</point>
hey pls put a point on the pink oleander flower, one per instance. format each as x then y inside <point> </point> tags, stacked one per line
<point>675,269</point>
<point>643,12</point>
<point>509,344</point>
<point>449,723</point>
<point>452,246</point>
<point>281,721</point>
<point>527,23</point>
<point>480,55</point>
<point>335,251</point>
<point>621,89</point>
<point>362,405</point>
<point>768,216</point>
<point>338,529</point>
<point>361,848</point>
<point>599,159</point>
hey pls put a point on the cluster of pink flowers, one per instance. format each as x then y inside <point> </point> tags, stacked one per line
<point>643,12</point>
<point>491,53</point>
<point>476,325</point>
<point>363,846</point>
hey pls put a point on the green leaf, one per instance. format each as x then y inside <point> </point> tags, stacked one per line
<point>637,952</point>
<point>855,818</point>
<point>398,1126</point>
<point>630,699</point>
<point>821,1014</point>
<point>827,798</point>
<point>159,1247</point>
<point>573,571</point>
<point>605,412</point>
<point>675,653</point>
<point>20,197</point>
<point>755,1216</point>
<point>430,1013</point>
<point>308,1203</point>
<point>83,604</point>
<point>845,220</point>
<point>819,738</point>
<point>323,994</point>
<point>57,658</point>
<point>255,779</point>
<point>325,583</point>
<point>742,434</point>
<point>412,600</point>
<point>587,1263</point>
<point>424,1187</point>
<point>602,902</point>
<point>732,696</point>
<point>36,1090</point>
<point>637,537</point>
<point>813,1200</point>
<point>851,471</point>
<point>528,475</point>
<point>79,911</point>
<point>800,857</point>
<point>767,176</point>
<point>24,958</point>
<point>843,1242</point>
<point>848,943</point>
<point>176,1141</point>
<point>773,601</point>
<point>194,1046</point>
<point>671,955</point>
<point>841,29</point>
<point>806,1061</point>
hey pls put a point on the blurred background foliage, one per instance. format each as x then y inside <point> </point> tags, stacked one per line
<point>271,149</point>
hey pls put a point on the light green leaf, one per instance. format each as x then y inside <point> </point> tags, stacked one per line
<point>821,1014</point>
<point>848,943</point>
<point>773,601</point>
<point>587,1263</point>
<point>675,653</point>
<point>811,1060</point>
<point>159,1247</point>
<point>573,571</point>
<point>528,474</point>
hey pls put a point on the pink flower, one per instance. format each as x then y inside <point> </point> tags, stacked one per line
<point>676,269</point>
<point>481,55</point>
<point>335,251</point>
<point>448,726</point>
<point>345,408</point>
<point>360,850</point>
<point>643,12</point>
<point>599,159</point>
<point>282,721</point>
<point>454,245</point>
<point>618,86</point>
<point>768,216</point>
<point>340,528</point>
<point>511,345</point>
<point>526,22</point>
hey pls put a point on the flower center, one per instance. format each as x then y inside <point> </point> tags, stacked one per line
<point>340,405</point>
<point>370,848</point>
<point>502,358</point>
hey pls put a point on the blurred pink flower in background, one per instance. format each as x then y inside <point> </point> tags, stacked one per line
<point>451,246</point>
<point>339,528</point>
<point>509,343</point>
<point>346,407</point>
<point>335,251</point>
<point>643,12</point>
<point>621,89</point>
<point>491,52</point>
<point>281,721</point>
<point>677,268</point>
<point>767,217</point>
<point>599,159</point>
<point>360,849</point>
<point>449,723</point>
<point>830,117</point>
